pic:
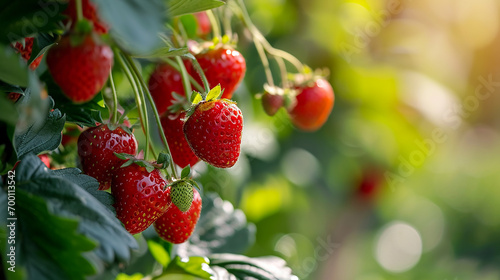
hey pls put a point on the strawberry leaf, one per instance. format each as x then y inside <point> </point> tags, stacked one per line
<point>214,93</point>
<point>12,69</point>
<point>41,135</point>
<point>185,172</point>
<point>220,229</point>
<point>180,7</point>
<point>64,192</point>
<point>164,160</point>
<point>196,97</point>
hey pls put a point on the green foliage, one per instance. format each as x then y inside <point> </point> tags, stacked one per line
<point>134,25</point>
<point>181,7</point>
<point>12,69</point>
<point>66,197</point>
<point>229,266</point>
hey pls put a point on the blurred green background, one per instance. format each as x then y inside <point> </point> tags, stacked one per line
<point>402,181</point>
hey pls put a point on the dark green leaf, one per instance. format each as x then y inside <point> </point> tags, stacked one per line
<point>134,24</point>
<point>41,135</point>
<point>13,69</point>
<point>221,229</point>
<point>180,7</point>
<point>42,43</point>
<point>242,267</point>
<point>21,19</point>
<point>9,113</point>
<point>66,195</point>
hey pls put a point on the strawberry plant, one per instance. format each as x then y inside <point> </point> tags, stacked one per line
<point>115,203</point>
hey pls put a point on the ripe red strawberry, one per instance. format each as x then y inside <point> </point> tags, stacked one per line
<point>89,12</point>
<point>140,197</point>
<point>165,80</point>
<point>45,159</point>
<point>96,148</point>
<point>80,69</point>
<point>204,25</point>
<point>313,106</point>
<point>222,66</point>
<point>179,148</point>
<point>26,50</point>
<point>176,226</point>
<point>214,132</point>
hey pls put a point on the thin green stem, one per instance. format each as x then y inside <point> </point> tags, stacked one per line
<point>283,72</point>
<point>200,72</point>
<point>215,23</point>
<point>115,98</point>
<point>226,22</point>
<point>155,111</point>
<point>79,10</point>
<point>136,75</point>
<point>172,63</point>
<point>265,62</point>
<point>135,89</point>
<point>185,77</point>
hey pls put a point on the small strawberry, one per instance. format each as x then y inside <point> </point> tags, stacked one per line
<point>140,196</point>
<point>223,66</point>
<point>96,148</point>
<point>13,96</point>
<point>45,159</point>
<point>89,12</point>
<point>176,226</point>
<point>80,68</point>
<point>203,24</point>
<point>214,132</point>
<point>26,50</point>
<point>163,82</point>
<point>313,105</point>
<point>179,148</point>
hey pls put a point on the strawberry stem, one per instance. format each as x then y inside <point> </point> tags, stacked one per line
<point>214,22</point>
<point>115,97</point>
<point>200,72</point>
<point>155,111</point>
<point>79,10</point>
<point>185,77</point>
<point>135,89</point>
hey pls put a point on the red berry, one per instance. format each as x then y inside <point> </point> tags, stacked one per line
<point>89,12</point>
<point>313,106</point>
<point>26,52</point>
<point>272,103</point>
<point>214,132</point>
<point>165,80</point>
<point>45,159</point>
<point>14,96</point>
<point>82,69</point>
<point>140,197</point>
<point>204,25</point>
<point>222,66</point>
<point>176,226</point>
<point>177,143</point>
<point>96,148</point>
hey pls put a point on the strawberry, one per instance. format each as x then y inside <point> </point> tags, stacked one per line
<point>203,24</point>
<point>13,96</point>
<point>96,148</point>
<point>45,159</point>
<point>176,226</point>
<point>80,69</point>
<point>223,66</point>
<point>313,105</point>
<point>89,12</point>
<point>272,102</point>
<point>179,148</point>
<point>214,132</point>
<point>26,50</point>
<point>165,80</point>
<point>140,196</point>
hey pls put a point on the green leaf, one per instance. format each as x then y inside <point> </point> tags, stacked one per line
<point>220,229</point>
<point>9,113</point>
<point>66,195</point>
<point>214,93</point>
<point>228,266</point>
<point>185,172</point>
<point>13,69</point>
<point>196,97</point>
<point>42,43</point>
<point>159,253</point>
<point>196,266</point>
<point>41,135</point>
<point>163,159</point>
<point>123,276</point>
<point>189,24</point>
<point>134,24</point>
<point>180,7</point>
